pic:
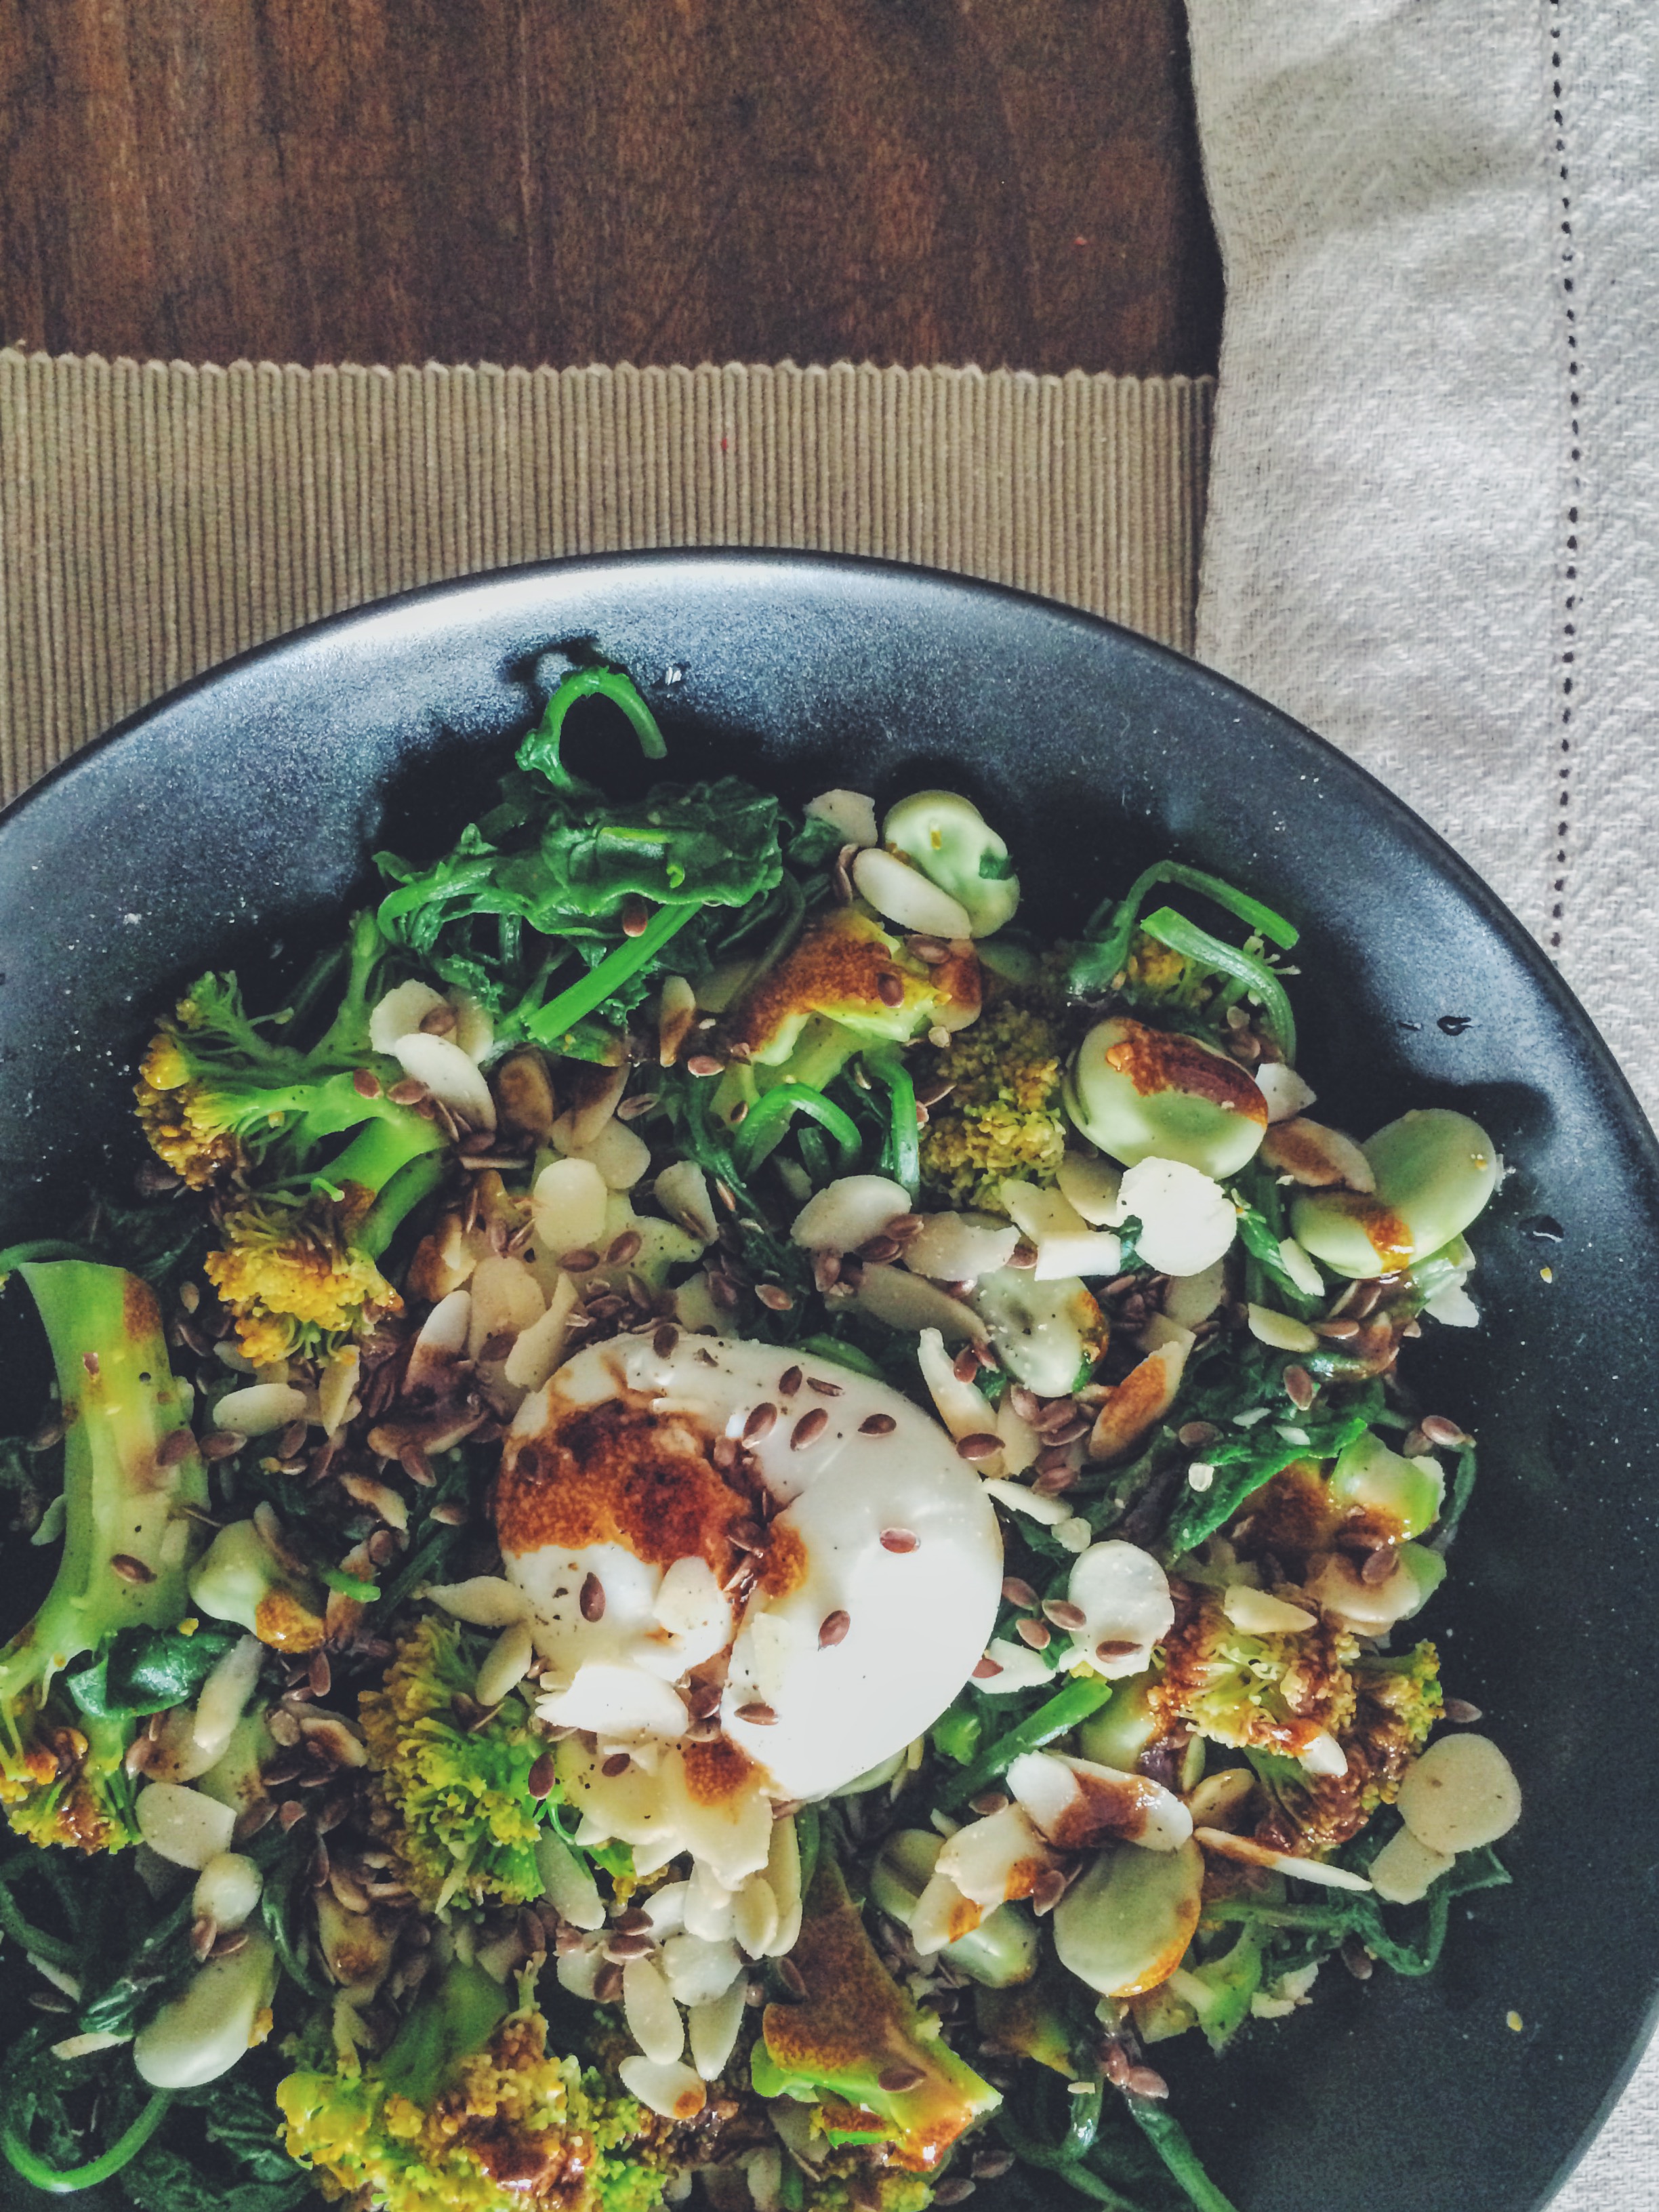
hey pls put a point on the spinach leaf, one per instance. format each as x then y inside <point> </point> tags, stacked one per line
<point>559,873</point>
<point>1251,1457</point>
<point>148,1670</point>
<point>231,2127</point>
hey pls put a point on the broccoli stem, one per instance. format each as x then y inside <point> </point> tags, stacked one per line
<point>768,1123</point>
<point>560,1014</point>
<point>56,1950</point>
<point>122,1493</point>
<point>1168,2139</point>
<point>457,2020</point>
<point>346,1038</point>
<point>331,1106</point>
<point>65,2181</point>
<point>379,1151</point>
<point>1073,1704</point>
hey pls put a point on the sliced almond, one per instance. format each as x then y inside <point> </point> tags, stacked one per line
<point>848,1212</point>
<point>672,2092</point>
<point>1246,1850</point>
<point>448,1073</point>
<point>1280,1331</point>
<point>1133,1408</point>
<point>1258,1613</point>
<point>996,1859</point>
<point>903,894</point>
<point>1317,1158</point>
<point>1079,1805</point>
<point>1405,1870</point>
<point>905,1301</point>
<point>260,1408</point>
<point>1461,1794</point>
<point>594,1094</point>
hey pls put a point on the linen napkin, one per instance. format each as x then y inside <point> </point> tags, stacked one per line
<point>1434,513</point>
<point>1433,528</point>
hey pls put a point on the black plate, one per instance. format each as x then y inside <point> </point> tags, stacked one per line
<point>238,815</point>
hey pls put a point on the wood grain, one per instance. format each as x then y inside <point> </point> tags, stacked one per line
<point>1011,182</point>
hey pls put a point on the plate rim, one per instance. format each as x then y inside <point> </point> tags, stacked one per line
<point>1616,1105</point>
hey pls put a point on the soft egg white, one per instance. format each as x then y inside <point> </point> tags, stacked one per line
<point>892,1530</point>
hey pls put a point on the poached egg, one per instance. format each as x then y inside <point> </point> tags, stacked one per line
<point>752,1576</point>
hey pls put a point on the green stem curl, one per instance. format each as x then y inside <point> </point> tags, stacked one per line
<point>1186,937</point>
<point>1168,2139</point>
<point>768,1123</point>
<point>902,1154</point>
<point>65,2181</point>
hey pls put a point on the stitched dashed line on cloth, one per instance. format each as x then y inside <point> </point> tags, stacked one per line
<point>1566,657</point>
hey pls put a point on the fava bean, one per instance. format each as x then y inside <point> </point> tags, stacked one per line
<point>1405,1495</point>
<point>998,1953</point>
<point>1142,1093</point>
<point>1435,1170</point>
<point>948,838</point>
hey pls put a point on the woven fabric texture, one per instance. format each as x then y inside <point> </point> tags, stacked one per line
<point>1434,524</point>
<point>156,518</point>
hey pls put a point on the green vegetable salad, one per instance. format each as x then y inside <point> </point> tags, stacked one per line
<point>722,1525</point>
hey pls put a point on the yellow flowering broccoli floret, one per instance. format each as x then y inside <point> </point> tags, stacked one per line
<point>465,1820</point>
<point>296,1274</point>
<point>1003,1117</point>
<point>323,1166</point>
<point>1267,1695</point>
<point>468,2111</point>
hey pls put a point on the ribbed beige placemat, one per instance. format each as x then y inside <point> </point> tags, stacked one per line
<point>156,518</point>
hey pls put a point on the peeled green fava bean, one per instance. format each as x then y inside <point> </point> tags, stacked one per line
<point>201,2033</point>
<point>1435,1171</point>
<point>1048,1334</point>
<point>948,838</point>
<point>1142,1093</point>
<point>1124,1727</point>
<point>1403,1496</point>
<point>998,1953</point>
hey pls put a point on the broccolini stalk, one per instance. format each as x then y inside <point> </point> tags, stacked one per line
<point>215,1088</point>
<point>129,1466</point>
<point>856,2038</point>
<point>219,1093</point>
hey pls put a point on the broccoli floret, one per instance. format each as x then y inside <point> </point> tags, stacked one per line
<point>1270,1693</point>
<point>467,2112</point>
<point>325,1166</point>
<point>1267,1696</point>
<point>460,1798</point>
<point>214,1089</point>
<point>129,1466</point>
<point>854,2030</point>
<point>1397,1701</point>
<point>1003,1115</point>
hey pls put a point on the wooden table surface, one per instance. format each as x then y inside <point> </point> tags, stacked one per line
<point>1001,181</point>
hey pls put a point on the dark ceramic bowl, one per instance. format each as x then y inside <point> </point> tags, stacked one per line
<point>237,818</point>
